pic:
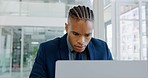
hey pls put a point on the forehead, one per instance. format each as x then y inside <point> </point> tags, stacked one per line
<point>81,26</point>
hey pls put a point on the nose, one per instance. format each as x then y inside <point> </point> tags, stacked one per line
<point>81,40</point>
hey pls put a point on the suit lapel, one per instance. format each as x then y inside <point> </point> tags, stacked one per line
<point>64,53</point>
<point>91,51</point>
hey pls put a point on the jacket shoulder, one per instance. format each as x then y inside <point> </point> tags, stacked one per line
<point>102,49</point>
<point>97,42</point>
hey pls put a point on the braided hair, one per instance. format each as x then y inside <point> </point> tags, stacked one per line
<point>81,13</point>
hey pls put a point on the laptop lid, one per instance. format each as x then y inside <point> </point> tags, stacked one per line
<point>101,69</point>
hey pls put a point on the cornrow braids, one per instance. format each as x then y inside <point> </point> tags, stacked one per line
<point>81,13</point>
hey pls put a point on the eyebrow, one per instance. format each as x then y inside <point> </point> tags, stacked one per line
<point>88,33</point>
<point>79,33</point>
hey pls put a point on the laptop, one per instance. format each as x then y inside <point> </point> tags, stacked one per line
<point>101,69</point>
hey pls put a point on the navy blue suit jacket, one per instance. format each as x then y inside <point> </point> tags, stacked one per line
<point>57,49</point>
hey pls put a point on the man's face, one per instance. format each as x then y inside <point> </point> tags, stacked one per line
<point>79,33</point>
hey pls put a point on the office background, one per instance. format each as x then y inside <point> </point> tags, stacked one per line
<point>24,24</point>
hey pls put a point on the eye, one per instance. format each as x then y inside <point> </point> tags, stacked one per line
<point>87,35</point>
<point>75,33</point>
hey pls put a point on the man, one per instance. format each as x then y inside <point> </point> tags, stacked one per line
<point>76,44</point>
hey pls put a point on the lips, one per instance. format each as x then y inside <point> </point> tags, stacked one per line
<point>79,48</point>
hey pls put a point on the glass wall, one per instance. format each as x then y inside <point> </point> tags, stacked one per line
<point>5,49</point>
<point>11,49</point>
<point>125,23</point>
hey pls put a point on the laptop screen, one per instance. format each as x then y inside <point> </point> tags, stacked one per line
<point>101,69</point>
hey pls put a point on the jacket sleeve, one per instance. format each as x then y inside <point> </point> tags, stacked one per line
<point>39,68</point>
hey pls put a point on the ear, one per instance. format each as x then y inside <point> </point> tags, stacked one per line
<point>66,27</point>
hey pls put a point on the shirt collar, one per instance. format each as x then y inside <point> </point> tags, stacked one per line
<point>69,45</point>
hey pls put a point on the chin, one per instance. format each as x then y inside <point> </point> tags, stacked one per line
<point>79,50</point>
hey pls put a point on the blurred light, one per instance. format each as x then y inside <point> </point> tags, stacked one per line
<point>64,31</point>
<point>34,42</point>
